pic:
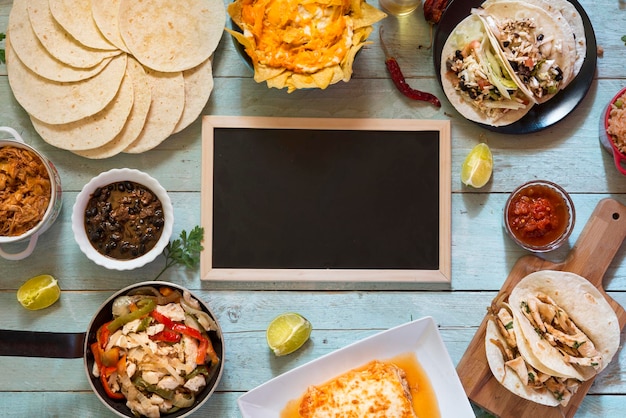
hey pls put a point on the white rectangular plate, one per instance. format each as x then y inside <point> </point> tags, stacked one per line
<point>420,337</point>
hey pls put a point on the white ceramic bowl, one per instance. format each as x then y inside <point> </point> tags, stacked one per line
<point>52,212</point>
<point>78,218</point>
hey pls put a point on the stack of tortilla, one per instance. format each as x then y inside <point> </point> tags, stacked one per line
<point>100,77</point>
<point>558,35</point>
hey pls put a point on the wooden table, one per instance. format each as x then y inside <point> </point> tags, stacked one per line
<point>568,153</point>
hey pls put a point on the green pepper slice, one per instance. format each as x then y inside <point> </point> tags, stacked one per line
<point>145,306</point>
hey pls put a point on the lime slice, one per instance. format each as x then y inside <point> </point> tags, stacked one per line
<point>287,332</point>
<point>39,292</point>
<point>477,167</point>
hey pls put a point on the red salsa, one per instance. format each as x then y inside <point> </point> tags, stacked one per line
<point>538,215</point>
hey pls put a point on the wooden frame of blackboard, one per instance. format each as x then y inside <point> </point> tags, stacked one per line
<point>213,127</point>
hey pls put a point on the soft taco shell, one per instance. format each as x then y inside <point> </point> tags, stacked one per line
<point>507,377</point>
<point>550,26</point>
<point>93,131</point>
<point>571,16</point>
<point>76,18</point>
<point>58,42</point>
<point>184,40</point>
<point>37,58</point>
<point>583,303</point>
<point>463,34</point>
<point>56,103</point>
<point>135,122</point>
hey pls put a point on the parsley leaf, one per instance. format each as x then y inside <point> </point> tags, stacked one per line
<point>624,39</point>
<point>184,250</point>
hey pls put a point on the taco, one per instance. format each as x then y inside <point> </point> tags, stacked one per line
<point>538,47</point>
<point>571,15</point>
<point>475,78</point>
<point>556,331</point>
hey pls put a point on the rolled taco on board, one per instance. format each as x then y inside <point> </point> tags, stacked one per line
<point>556,331</point>
<point>476,80</point>
<point>537,47</point>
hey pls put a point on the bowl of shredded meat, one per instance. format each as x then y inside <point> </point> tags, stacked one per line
<point>30,195</point>
<point>615,128</point>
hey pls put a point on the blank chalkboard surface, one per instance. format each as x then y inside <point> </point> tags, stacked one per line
<point>309,200</point>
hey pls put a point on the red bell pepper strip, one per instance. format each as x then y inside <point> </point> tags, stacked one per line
<point>107,388</point>
<point>205,345</point>
<point>167,335</point>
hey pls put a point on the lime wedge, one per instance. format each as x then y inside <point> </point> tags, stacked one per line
<point>288,332</point>
<point>39,292</point>
<point>477,167</point>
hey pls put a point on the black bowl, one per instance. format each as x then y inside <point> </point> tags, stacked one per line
<point>104,315</point>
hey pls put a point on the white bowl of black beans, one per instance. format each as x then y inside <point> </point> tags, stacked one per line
<point>122,219</point>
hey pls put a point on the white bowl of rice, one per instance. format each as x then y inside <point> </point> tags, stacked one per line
<point>615,128</point>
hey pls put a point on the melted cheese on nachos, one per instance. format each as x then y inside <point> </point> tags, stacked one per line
<point>302,36</point>
<point>302,43</point>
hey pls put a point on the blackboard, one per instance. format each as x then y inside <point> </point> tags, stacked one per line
<point>308,200</point>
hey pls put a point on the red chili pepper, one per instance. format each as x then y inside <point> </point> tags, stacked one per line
<point>398,78</point>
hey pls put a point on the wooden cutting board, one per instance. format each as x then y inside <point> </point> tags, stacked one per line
<point>590,257</point>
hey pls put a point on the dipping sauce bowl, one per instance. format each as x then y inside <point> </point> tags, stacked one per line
<point>539,216</point>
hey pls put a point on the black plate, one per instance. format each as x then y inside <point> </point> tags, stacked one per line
<point>540,116</point>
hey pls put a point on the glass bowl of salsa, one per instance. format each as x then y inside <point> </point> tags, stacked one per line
<point>539,216</point>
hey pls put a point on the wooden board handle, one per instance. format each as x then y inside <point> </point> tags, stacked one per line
<point>599,241</point>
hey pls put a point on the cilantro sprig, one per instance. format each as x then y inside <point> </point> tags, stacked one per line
<point>624,39</point>
<point>184,250</point>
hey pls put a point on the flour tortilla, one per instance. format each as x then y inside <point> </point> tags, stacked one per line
<point>93,131</point>
<point>583,303</point>
<point>106,15</point>
<point>184,40</point>
<point>469,29</point>
<point>57,103</point>
<point>507,377</point>
<point>76,18</point>
<point>166,108</point>
<point>37,58</point>
<point>136,119</point>
<point>198,87</point>
<point>58,42</point>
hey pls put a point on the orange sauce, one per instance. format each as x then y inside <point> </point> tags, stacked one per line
<point>424,398</point>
